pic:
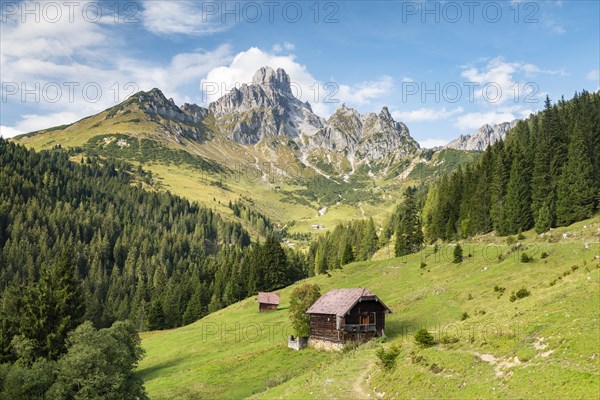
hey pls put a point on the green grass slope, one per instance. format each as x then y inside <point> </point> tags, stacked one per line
<point>546,345</point>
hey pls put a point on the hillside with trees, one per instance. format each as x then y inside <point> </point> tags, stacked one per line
<point>545,174</point>
<point>83,241</point>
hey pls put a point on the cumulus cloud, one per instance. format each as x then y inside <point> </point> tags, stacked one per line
<point>34,122</point>
<point>426,114</point>
<point>475,120</point>
<point>323,96</point>
<point>499,81</point>
<point>87,66</point>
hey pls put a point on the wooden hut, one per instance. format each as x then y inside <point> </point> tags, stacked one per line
<point>347,315</point>
<point>267,301</point>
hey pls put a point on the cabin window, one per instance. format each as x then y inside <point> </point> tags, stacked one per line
<point>367,318</point>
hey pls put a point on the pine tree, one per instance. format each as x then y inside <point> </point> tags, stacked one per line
<point>458,254</point>
<point>156,316</point>
<point>517,202</point>
<point>369,242</point>
<point>576,192</point>
<point>347,255</point>
<point>53,307</point>
<point>194,310</point>
<point>409,233</point>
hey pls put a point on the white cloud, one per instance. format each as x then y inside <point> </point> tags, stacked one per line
<point>593,75</point>
<point>280,47</point>
<point>426,114</point>
<point>181,17</point>
<point>34,122</point>
<point>431,143</point>
<point>323,96</point>
<point>475,120</point>
<point>72,54</point>
<point>499,81</point>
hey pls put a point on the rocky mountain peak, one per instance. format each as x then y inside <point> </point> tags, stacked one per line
<point>279,79</point>
<point>385,114</point>
<point>265,107</point>
<point>484,137</point>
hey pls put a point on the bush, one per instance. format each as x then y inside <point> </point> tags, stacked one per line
<point>300,300</point>
<point>423,264</point>
<point>521,293</point>
<point>544,255</point>
<point>464,316</point>
<point>525,258</point>
<point>448,340</point>
<point>520,236</point>
<point>458,254</point>
<point>423,338</point>
<point>510,240</point>
<point>388,357</point>
<point>499,289</point>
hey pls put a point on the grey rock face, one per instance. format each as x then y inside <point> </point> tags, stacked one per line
<point>484,137</point>
<point>187,119</point>
<point>266,107</point>
<point>370,136</point>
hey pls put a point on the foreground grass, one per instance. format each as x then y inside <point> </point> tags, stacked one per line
<point>545,345</point>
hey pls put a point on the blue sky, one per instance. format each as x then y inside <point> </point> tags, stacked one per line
<point>443,68</point>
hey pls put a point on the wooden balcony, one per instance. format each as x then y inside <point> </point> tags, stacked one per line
<point>360,328</point>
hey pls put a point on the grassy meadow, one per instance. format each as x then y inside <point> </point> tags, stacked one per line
<point>545,345</point>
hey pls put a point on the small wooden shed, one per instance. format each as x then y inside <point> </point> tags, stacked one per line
<point>347,315</point>
<point>267,301</point>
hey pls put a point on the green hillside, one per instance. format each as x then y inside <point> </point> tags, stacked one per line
<point>545,345</point>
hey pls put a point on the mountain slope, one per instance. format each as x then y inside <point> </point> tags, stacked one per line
<point>237,352</point>
<point>260,142</point>
<point>484,137</point>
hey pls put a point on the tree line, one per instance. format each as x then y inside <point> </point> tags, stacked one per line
<point>149,257</point>
<point>546,173</point>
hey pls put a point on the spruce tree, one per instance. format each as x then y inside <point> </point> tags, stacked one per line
<point>576,192</point>
<point>517,202</point>
<point>53,307</point>
<point>347,255</point>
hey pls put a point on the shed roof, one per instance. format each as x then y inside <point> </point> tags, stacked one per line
<point>268,298</point>
<point>339,302</point>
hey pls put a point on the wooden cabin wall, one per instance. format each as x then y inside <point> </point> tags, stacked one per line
<point>322,326</point>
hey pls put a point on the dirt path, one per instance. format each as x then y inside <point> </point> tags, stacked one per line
<point>358,391</point>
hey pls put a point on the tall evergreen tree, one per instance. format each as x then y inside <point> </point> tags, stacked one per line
<point>517,202</point>
<point>576,191</point>
<point>53,307</point>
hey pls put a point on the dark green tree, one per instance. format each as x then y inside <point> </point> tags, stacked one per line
<point>457,254</point>
<point>300,301</point>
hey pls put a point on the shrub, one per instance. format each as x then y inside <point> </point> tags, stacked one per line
<point>423,338</point>
<point>510,240</point>
<point>458,254</point>
<point>520,236</point>
<point>499,289</point>
<point>388,357</point>
<point>525,258</point>
<point>521,293</point>
<point>544,255</point>
<point>448,340</point>
<point>464,316</point>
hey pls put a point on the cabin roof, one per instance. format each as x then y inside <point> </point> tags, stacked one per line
<point>339,302</point>
<point>268,298</point>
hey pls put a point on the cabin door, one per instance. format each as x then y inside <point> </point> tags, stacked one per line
<point>364,319</point>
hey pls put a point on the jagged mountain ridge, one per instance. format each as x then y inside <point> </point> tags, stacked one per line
<point>484,137</point>
<point>267,108</point>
